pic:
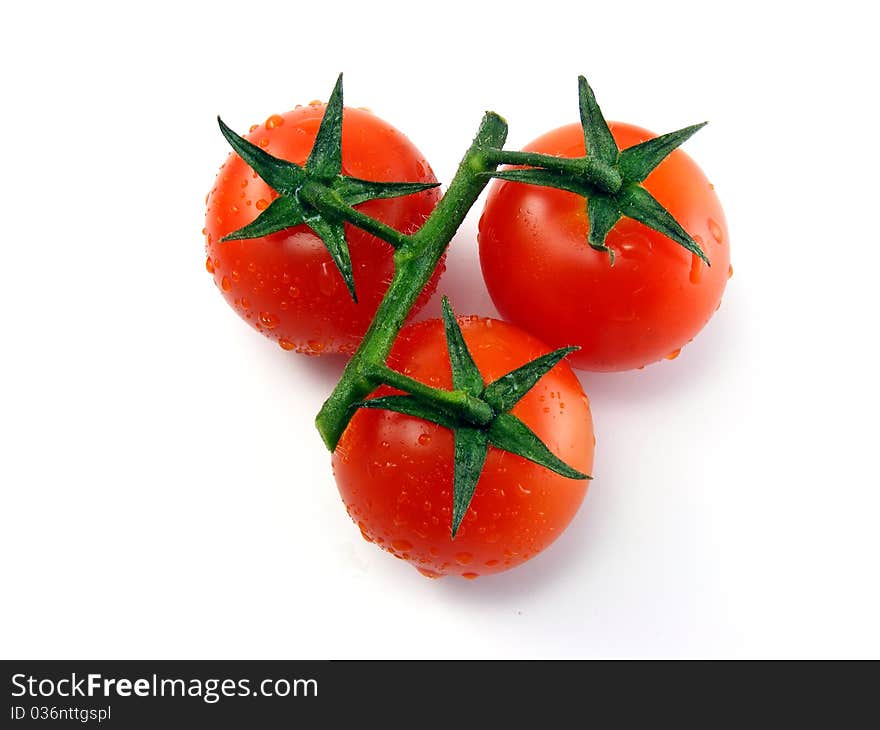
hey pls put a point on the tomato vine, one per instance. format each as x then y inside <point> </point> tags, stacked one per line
<point>318,195</point>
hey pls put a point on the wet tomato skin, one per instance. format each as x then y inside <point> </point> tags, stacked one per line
<point>394,472</point>
<point>286,285</point>
<point>542,275</point>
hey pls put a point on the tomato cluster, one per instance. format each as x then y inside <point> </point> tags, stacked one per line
<point>635,295</point>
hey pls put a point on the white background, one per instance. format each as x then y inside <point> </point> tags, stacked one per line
<point>164,493</point>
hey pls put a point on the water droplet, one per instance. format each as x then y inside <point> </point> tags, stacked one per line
<point>235,275</point>
<point>253,127</point>
<point>730,271</point>
<point>276,120</point>
<point>269,320</point>
<point>715,230</point>
<point>264,143</point>
<point>463,558</point>
<point>674,354</point>
<point>262,204</point>
<point>523,490</point>
<point>424,439</point>
<point>470,576</point>
<point>286,344</point>
<point>316,346</point>
<point>402,545</point>
<point>225,284</point>
<point>492,563</point>
<point>244,183</point>
<point>428,573</point>
<point>327,279</point>
<point>209,265</point>
<point>696,269</point>
<point>293,291</point>
<point>245,302</point>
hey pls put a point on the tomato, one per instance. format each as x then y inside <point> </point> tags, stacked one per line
<point>394,472</point>
<point>285,284</point>
<point>543,276</point>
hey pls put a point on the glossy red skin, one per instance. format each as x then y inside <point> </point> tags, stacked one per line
<point>286,285</point>
<point>394,472</point>
<point>542,275</point>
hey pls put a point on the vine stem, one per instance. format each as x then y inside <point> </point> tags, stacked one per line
<point>587,169</point>
<point>415,258</point>
<point>331,204</point>
<point>457,403</point>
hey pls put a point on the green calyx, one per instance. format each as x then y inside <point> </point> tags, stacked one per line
<point>318,194</point>
<point>609,178</point>
<point>478,414</point>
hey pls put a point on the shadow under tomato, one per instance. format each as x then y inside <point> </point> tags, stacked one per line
<point>462,281</point>
<point>698,363</point>
<point>325,370</point>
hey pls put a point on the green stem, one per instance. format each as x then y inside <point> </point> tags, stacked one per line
<point>594,172</point>
<point>456,403</point>
<point>415,260</point>
<point>330,204</point>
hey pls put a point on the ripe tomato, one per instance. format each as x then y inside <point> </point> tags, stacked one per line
<point>543,276</point>
<point>394,472</point>
<point>285,284</point>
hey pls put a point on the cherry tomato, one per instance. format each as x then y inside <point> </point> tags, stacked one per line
<point>542,275</point>
<point>394,472</point>
<point>285,284</point>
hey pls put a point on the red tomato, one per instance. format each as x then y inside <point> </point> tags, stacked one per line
<point>286,285</point>
<point>394,472</point>
<point>543,276</point>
